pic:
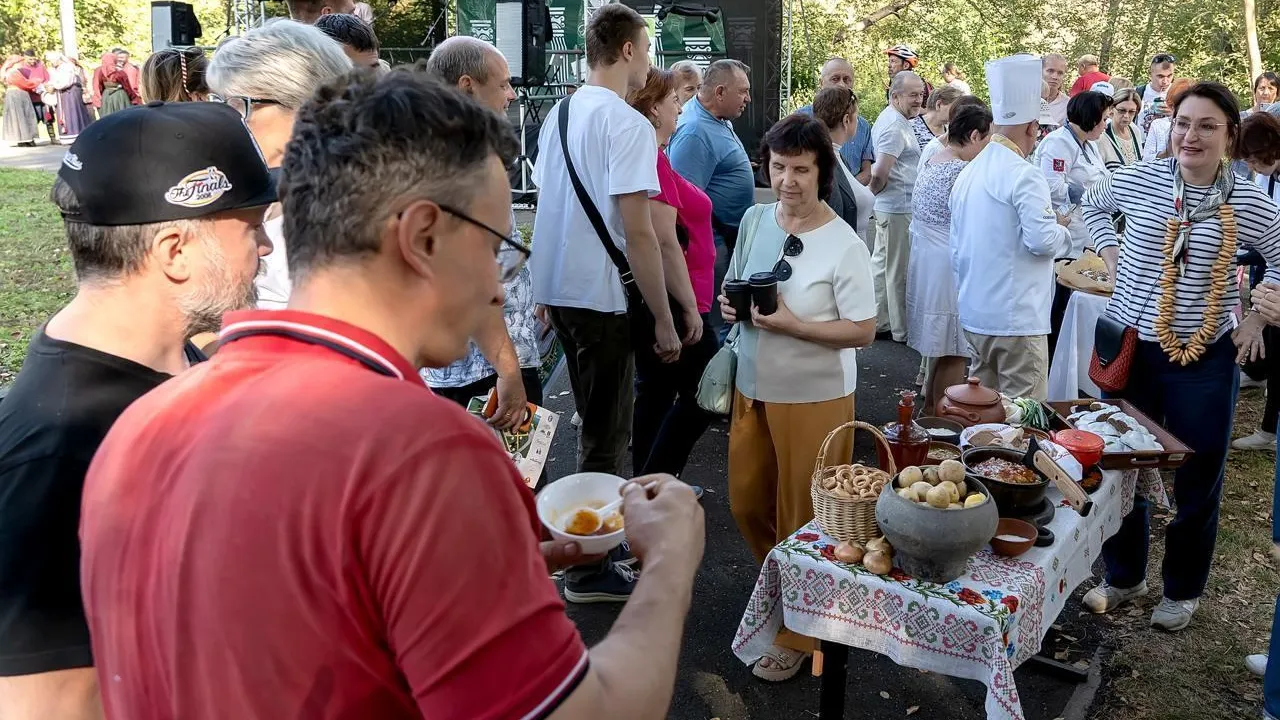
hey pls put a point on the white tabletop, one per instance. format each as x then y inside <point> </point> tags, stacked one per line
<point>1069,368</point>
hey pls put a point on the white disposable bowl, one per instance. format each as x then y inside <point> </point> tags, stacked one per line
<point>559,499</point>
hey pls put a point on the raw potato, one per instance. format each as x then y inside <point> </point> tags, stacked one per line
<point>952,470</point>
<point>952,489</point>
<point>909,493</point>
<point>910,476</point>
<point>848,552</point>
<point>975,500</point>
<point>931,475</point>
<point>877,562</point>
<point>962,488</point>
<point>938,496</point>
<point>922,489</point>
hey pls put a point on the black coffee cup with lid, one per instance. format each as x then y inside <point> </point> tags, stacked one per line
<point>739,294</point>
<point>764,292</point>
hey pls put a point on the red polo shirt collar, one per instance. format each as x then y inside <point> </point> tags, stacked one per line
<point>295,326</point>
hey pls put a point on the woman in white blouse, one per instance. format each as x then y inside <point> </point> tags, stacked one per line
<point>933,321</point>
<point>797,370</point>
<point>1186,217</point>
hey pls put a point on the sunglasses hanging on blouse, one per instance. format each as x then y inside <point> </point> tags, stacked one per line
<point>793,247</point>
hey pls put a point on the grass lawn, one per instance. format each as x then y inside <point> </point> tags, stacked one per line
<point>35,268</point>
<point>1199,674</point>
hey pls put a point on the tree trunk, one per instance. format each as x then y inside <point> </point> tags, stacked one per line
<point>892,8</point>
<point>1251,36</point>
<point>1109,39</point>
<point>1143,59</point>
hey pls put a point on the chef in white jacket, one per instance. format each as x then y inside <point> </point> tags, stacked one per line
<point>1005,235</point>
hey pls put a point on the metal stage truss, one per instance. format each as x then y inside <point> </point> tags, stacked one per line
<point>244,15</point>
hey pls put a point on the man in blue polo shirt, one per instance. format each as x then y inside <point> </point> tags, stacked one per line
<point>707,152</point>
<point>857,153</point>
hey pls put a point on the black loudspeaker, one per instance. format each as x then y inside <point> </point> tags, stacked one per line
<point>173,24</point>
<point>522,31</point>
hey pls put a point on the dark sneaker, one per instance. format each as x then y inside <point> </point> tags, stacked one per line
<point>621,555</point>
<point>613,584</point>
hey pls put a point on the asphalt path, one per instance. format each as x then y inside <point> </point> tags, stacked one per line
<point>712,682</point>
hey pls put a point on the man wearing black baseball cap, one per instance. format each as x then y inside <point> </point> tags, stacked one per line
<point>162,207</point>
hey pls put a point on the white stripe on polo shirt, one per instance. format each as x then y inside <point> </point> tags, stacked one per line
<point>305,329</point>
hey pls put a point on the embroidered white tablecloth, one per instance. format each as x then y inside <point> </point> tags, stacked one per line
<point>980,626</point>
<point>1069,366</point>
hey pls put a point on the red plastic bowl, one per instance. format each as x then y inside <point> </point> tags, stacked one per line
<point>1083,445</point>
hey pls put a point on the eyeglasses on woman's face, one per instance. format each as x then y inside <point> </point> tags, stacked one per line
<point>1126,110</point>
<point>242,104</point>
<point>1203,129</point>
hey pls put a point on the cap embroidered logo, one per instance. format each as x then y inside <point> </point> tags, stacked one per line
<point>198,189</point>
<point>72,161</point>
<point>1008,114</point>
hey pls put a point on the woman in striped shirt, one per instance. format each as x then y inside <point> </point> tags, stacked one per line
<point>1185,216</point>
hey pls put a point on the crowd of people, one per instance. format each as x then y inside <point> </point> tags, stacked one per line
<point>312,232</point>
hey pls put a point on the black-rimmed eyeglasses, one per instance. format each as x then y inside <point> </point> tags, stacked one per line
<point>511,255</point>
<point>242,104</point>
<point>792,248</point>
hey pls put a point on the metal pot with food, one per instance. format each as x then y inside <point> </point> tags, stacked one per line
<point>1015,486</point>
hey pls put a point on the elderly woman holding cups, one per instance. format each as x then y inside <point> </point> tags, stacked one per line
<point>799,288</point>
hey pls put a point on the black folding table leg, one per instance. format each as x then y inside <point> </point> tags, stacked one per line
<point>835,669</point>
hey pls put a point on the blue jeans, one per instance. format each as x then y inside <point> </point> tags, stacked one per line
<point>1271,681</point>
<point>1197,404</point>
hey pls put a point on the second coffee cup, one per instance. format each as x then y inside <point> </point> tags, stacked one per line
<point>739,294</point>
<point>764,292</point>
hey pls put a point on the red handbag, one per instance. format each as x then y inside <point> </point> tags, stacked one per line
<point>1114,345</point>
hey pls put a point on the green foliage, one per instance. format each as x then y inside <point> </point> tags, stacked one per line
<point>1207,36</point>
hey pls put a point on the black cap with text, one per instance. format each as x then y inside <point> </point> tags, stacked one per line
<point>165,161</point>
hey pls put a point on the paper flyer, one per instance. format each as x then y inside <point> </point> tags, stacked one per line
<point>528,450</point>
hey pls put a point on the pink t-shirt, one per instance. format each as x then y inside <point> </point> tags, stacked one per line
<point>693,212</point>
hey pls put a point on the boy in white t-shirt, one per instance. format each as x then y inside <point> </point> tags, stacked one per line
<point>614,151</point>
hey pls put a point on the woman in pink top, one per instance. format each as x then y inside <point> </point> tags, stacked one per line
<point>667,420</point>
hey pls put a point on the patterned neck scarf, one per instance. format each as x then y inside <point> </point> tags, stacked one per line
<point>1207,208</point>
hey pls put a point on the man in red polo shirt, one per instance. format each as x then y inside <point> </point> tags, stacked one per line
<point>299,528</point>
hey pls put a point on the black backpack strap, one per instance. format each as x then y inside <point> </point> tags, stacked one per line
<point>593,213</point>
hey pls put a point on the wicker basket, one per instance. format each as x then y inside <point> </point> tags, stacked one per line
<point>846,519</point>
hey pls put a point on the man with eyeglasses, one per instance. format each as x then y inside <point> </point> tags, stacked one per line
<point>1163,66</point>
<point>504,355</point>
<point>299,528</point>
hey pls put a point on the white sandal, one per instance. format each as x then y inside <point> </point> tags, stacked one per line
<point>784,663</point>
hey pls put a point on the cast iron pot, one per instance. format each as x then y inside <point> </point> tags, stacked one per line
<point>1010,497</point>
<point>930,543</point>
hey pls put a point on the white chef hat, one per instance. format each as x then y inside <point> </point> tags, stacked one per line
<point>1014,83</point>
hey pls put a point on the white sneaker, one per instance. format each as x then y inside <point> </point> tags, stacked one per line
<point>1248,383</point>
<point>1173,615</point>
<point>576,420</point>
<point>1257,664</point>
<point>1105,598</point>
<point>1258,441</point>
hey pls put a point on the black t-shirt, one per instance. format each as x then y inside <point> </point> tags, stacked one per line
<point>58,411</point>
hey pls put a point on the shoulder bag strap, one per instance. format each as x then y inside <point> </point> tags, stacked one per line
<point>749,225</point>
<point>593,213</point>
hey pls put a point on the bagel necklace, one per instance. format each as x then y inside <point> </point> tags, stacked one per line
<point>1177,240</point>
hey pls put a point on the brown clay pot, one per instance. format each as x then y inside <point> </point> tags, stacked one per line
<point>970,404</point>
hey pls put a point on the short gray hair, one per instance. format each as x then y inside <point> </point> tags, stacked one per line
<point>283,60</point>
<point>686,68</point>
<point>719,72</point>
<point>900,81</point>
<point>461,55</point>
